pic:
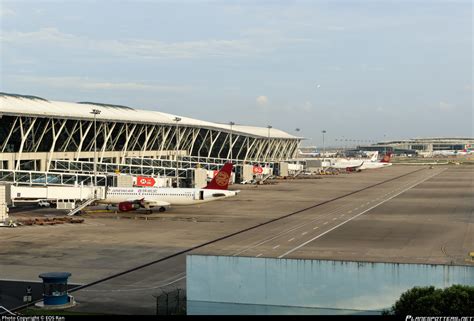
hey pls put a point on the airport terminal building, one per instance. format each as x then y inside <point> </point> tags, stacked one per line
<point>430,144</point>
<point>35,133</point>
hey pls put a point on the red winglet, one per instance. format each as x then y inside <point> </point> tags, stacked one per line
<point>221,180</point>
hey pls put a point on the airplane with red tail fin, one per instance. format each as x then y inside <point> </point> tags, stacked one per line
<point>384,162</point>
<point>133,198</point>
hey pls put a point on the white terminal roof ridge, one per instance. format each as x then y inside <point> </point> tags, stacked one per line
<point>13,104</point>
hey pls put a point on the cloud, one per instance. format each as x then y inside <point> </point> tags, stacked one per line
<point>446,107</point>
<point>262,101</point>
<point>247,45</point>
<point>5,12</point>
<point>84,83</point>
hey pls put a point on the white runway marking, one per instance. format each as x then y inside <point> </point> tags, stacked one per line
<point>291,239</point>
<point>315,228</point>
<point>334,219</point>
<point>325,223</point>
<point>276,246</point>
<point>258,255</point>
<point>275,237</point>
<point>363,212</point>
<point>304,233</point>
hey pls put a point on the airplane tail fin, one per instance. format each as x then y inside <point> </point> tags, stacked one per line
<point>386,158</point>
<point>221,180</point>
<point>374,157</point>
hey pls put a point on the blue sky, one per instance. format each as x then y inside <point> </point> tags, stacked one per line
<point>358,69</point>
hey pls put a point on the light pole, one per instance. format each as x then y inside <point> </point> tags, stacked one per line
<point>177,119</point>
<point>269,127</point>
<point>230,143</point>
<point>95,112</point>
<point>324,148</point>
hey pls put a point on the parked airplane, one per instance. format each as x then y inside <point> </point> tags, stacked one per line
<point>302,154</point>
<point>352,165</point>
<point>128,199</point>
<point>384,162</point>
<point>452,152</point>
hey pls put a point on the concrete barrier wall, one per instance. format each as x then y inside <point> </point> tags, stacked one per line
<point>311,283</point>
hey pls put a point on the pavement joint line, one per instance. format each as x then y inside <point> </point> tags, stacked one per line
<point>139,289</point>
<point>370,208</point>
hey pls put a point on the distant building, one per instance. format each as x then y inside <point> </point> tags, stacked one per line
<point>429,144</point>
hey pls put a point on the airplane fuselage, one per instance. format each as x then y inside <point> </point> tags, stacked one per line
<point>173,196</point>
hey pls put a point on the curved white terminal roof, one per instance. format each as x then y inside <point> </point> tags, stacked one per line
<point>12,104</point>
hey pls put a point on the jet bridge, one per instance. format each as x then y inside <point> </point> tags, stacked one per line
<point>60,195</point>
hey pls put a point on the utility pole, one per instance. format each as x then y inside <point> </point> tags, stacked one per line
<point>269,127</point>
<point>230,143</point>
<point>324,148</point>
<point>177,119</point>
<point>95,112</point>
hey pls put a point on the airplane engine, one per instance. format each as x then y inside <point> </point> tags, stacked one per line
<point>128,206</point>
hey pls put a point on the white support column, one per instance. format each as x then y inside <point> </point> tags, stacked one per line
<point>223,144</point>
<point>203,142</point>
<point>116,137</point>
<point>12,130</point>
<point>259,152</point>
<point>166,133</point>
<point>70,134</point>
<point>107,133</point>
<point>55,138</point>
<point>83,137</point>
<point>213,141</point>
<point>24,136</point>
<point>148,132</point>
<point>157,130</point>
<point>129,133</point>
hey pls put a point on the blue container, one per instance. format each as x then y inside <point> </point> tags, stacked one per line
<point>55,288</point>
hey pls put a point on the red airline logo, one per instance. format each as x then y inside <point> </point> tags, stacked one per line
<point>145,181</point>
<point>257,170</point>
